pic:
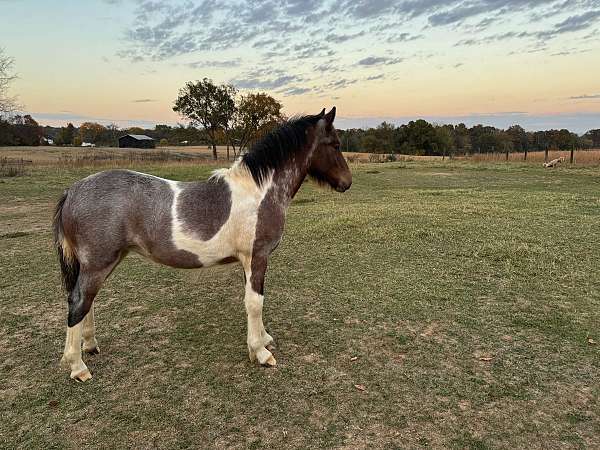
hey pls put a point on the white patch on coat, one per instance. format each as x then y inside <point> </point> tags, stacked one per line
<point>237,234</point>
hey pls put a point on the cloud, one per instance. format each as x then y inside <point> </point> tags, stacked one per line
<point>214,63</point>
<point>265,79</point>
<point>339,38</point>
<point>378,61</point>
<point>376,77</point>
<point>295,91</point>
<point>403,37</point>
<point>341,84</point>
<point>585,97</point>
<point>143,100</point>
<point>578,22</point>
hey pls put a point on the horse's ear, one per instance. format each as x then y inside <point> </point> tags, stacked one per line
<point>330,116</point>
<point>321,114</point>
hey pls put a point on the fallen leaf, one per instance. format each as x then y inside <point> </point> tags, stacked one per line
<point>53,403</point>
<point>354,358</point>
<point>591,341</point>
<point>360,387</point>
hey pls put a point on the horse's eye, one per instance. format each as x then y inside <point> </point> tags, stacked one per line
<point>336,146</point>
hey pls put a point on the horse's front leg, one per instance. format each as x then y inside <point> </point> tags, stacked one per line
<point>254,269</point>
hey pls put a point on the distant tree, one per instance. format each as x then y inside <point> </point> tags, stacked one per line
<point>462,139</point>
<point>91,132</point>
<point>226,96</point>
<point>135,130</point>
<point>8,104</point>
<point>26,130</point>
<point>594,136</point>
<point>207,105</point>
<point>518,137</point>
<point>444,140</point>
<point>257,113</point>
<point>65,135</point>
<point>371,144</point>
<point>111,135</point>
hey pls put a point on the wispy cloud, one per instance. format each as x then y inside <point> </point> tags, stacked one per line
<point>379,61</point>
<point>143,100</point>
<point>585,97</point>
<point>227,63</point>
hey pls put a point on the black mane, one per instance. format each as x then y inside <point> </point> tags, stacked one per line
<point>278,146</point>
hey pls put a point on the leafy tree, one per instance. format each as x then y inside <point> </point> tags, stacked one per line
<point>444,140</point>
<point>594,137</point>
<point>518,137</point>
<point>25,130</point>
<point>65,135</point>
<point>207,105</point>
<point>257,113</point>
<point>91,132</point>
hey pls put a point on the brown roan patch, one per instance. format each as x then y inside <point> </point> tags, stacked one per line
<point>203,208</point>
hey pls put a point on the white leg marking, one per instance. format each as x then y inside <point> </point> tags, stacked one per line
<point>90,344</point>
<point>72,355</point>
<point>256,345</point>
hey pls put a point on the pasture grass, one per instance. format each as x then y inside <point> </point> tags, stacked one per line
<point>434,305</point>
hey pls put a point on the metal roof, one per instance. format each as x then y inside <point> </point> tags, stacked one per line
<point>139,137</point>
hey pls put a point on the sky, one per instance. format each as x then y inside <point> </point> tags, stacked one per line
<point>495,62</point>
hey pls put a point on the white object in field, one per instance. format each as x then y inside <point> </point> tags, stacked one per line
<point>554,162</point>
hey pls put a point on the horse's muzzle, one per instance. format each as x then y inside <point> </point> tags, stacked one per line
<point>343,187</point>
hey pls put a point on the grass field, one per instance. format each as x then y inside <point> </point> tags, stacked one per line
<point>462,299</point>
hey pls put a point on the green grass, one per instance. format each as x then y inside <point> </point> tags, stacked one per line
<point>467,292</point>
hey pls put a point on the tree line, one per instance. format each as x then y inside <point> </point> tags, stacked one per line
<point>420,137</point>
<point>415,138</point>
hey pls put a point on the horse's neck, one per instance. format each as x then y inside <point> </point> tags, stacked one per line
<point>288,179</point>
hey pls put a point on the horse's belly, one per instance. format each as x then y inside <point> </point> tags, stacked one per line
<point>218,250</point>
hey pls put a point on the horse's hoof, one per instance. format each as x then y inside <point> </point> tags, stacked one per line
<point>271,362</point>
<point>82,377</point>
<point>92,351</point>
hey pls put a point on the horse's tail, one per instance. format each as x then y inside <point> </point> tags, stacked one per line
<point>69,264</point>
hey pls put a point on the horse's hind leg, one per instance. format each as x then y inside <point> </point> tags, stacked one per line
<point>90,344</point>
<point>81,318</point>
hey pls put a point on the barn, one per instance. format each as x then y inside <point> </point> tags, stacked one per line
<point>136,141</point>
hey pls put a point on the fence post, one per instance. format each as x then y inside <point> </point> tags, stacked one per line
<point>546,155</point>
<point>572,155</point>
<point>525,155</point>
<point>507,153</point>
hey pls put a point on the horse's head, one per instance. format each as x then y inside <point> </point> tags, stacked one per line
<point>327,164</point>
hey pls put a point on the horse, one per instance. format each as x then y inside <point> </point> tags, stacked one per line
<point>237,215</point>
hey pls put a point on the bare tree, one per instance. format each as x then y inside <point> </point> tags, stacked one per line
<point>8,104</point>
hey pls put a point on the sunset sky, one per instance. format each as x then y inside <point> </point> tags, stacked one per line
<point>495,62</point>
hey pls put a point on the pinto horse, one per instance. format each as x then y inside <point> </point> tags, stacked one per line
<point>237,215</point>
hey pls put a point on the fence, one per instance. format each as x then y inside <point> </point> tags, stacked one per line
<point>574,156</point>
